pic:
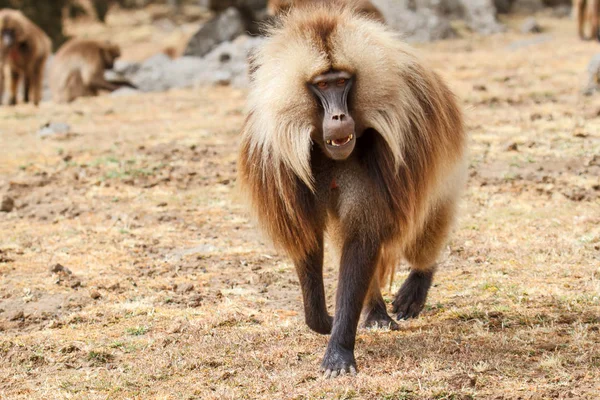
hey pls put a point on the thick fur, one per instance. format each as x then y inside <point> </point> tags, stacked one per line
<point>394,197</point>
<point>78,69</point>
<point>365,7</point>
<point>587,11</point>
<point>25,58</point>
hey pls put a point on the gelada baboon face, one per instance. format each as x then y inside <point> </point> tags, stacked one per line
<point>110,52</point>
<point>11,29</point>
<point>331,90</point>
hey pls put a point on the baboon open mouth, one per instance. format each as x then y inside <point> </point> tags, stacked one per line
<point>340,142</point>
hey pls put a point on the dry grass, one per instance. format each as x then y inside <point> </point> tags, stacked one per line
<point>140,205</point>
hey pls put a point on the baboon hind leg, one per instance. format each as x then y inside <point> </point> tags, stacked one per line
<point>422,255</point>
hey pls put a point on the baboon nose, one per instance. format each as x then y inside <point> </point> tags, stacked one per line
<point>338,117</point>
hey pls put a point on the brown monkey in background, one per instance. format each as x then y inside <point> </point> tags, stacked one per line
<point>276,7</point>
<point>24,49</point>
<point>78,69</point>
<point>588,10</point>
<point>349,133</point>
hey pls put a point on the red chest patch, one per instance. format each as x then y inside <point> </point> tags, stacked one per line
<point>333,185</point>
<point>14,54</point>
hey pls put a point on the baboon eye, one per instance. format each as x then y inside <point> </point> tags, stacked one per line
<point>322,85</point>
<point>341,81</point>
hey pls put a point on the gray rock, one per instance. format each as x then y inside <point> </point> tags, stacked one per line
<point>427,20</point>
<point>125,67</point>
<point>527,6</point>
<point>421,21</point>
<point>149,76</point>
<point>593,69</point>
<point>223,27</point>
<point>555,3</point>
<point>124,91</point>
<point>561,11</point>
<point>228,63</point>
<point>480,16</point>
<point>54,128</point>
<point>220,5</point>
<point>530,42</point>
<point>531,26</point>
<point>503,6</point>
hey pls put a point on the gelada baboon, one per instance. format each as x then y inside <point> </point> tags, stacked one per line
<point>349,133</point>
<point>24,48</point>
<point>587,10</point>
<point>276,7</point>
<point>78,69</point>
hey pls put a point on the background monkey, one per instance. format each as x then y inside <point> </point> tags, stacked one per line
<point>349,133</point>
<point>24,49</point>
<point>78,69</point>
<point>587,10</point>
<point>276,7</point>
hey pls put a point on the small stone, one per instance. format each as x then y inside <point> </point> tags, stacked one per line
<point>184,288</point>
<point>7,205</point>
<point>74,284</point>
<point>94,294</point>
<point>176,327</point>
<point>58,269</point>
<point>531,26</point>
<point>195,301</point>
<point>54,128</point>
<point>16,315</point>
<point>512,147</point>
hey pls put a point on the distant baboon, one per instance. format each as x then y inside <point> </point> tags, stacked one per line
<point>588,10</point>
<point>78,69</point>
<point>349,133</point>
<point>365,7</point>
<point>24,49</point>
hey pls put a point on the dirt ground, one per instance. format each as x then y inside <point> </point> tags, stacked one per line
<point>130,270</point>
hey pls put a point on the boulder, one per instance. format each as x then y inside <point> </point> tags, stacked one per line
<point>417,21</point>
<point>480,16</point>
<point>225,26</point>
<point>228,63</point>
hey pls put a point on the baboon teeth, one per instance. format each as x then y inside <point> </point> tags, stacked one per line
<point>340,142</point>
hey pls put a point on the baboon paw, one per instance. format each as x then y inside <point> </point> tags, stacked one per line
<point>411,297</point>
<point>321,325</point>
<point>380,320</point>
<point>407,307</point>
<point>338,362</point>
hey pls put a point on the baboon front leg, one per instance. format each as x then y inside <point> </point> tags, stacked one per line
<point>1,83</point>
<point>375,310</point>
<point>595,19</point>
<point>357,267</point>
<point>14,85</point>
<point>422,254</point>
<point>102,84</point>
<point>580,10</point>
<point>37,83</point>
<point>26,88</point>
<point>310,274</point>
